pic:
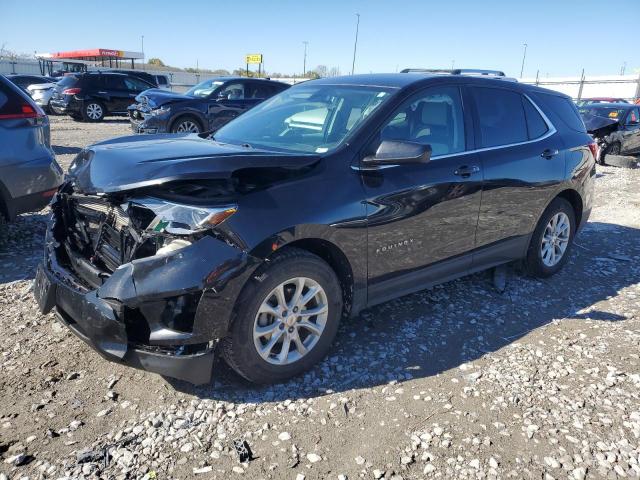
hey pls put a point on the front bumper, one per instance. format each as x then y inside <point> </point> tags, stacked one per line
<point>108,318</point>
<point>142,122</point>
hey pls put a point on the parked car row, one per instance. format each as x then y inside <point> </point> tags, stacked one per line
<point>332,196</point>
<point>42,88</point>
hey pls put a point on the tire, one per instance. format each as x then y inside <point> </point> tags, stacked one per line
<point>613,149</point>
<point>543,266</point>
<point>93,111</point>
<point>240,346</point>
<point>186,124</point>
<point>623,161</point>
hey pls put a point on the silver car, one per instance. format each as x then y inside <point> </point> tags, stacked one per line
<point>29,173</point>
<point>42,93</point>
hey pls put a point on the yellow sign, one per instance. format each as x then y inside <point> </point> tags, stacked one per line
<point>253,58</point>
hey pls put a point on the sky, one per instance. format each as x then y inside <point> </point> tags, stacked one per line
<point>562,36</point>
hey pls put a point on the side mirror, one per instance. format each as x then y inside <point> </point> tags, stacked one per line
<point>395,152</point>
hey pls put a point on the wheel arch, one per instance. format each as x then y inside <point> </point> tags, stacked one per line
<point>188,113</point>
<point>336,259</point>
<point>574,198</point>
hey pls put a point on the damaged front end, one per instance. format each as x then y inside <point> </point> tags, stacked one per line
<point>145,280</point>
<point>603,130</point>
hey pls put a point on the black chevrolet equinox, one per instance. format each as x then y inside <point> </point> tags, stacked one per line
<point>330,197</point>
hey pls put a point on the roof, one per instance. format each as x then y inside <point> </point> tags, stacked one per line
<point>93,53</point>
<point>393,80</point>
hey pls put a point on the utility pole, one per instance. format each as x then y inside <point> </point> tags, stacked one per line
<point>304,63</point>
<point>355,45</point>
<point>524,55</point>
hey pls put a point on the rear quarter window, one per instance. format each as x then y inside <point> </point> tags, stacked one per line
<point>565,109</point>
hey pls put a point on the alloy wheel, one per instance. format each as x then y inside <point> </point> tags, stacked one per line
<point>94,111</point>
<point>290,321</point>
<point>555,239</point>
<point>188,126</point>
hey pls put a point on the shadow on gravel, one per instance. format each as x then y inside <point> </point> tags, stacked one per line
<point>64,150</point>
<point>430,332</point>
<point>21,243</point>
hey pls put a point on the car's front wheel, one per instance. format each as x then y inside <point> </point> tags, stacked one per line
<point>552,239</point>
<point>286,318</point>
<point>186,124</point>
<point>612,149</point>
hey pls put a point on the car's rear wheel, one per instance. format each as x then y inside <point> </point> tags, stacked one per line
<point>286,321</point>
<point>93,111</point>
<point>552,239</point>
<point>186,124</point>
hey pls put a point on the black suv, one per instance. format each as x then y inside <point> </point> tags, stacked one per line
<point>333,196</point>
<point>91,96</point>
<point>205,107</point>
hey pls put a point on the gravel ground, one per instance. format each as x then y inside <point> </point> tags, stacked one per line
<point>460,381</point>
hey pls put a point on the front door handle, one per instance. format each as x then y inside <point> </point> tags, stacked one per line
<point>549,153</point>
<point>465,171</point>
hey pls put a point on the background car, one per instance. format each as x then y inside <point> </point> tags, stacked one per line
<point>23,81</point>
<point>589,101</point>
<point>42,93</point>
<point>91,96</point>
<point>614,126</point>
<point>205,107</point>
<point>29,173</point>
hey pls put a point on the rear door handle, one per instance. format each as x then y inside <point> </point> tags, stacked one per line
<point>465,171</point>
<point>549,153</point>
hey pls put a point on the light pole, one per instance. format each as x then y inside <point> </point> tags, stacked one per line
<point>624,67</point>
<point>304,63</point>
<point>355,45</point>
<point>142,41</point>
<point>524,55</point>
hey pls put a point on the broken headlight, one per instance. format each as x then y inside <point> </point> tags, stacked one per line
<point>180,219</point>
<point>158,111</point>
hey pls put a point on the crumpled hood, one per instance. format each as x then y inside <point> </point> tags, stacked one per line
<point>138,161</point>
<point>156,97</point>
<point>595,123</point>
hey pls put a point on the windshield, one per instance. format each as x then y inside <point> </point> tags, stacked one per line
<point>204,89</point>
<point>601,111</point>
<point>305,119</point>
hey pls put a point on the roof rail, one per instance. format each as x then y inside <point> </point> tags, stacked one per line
<point>456,71</point>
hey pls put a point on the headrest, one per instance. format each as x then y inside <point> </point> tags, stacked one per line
<point>435,113</point>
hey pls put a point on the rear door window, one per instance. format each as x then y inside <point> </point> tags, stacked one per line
<point>536,126</point>
<point>135,84</point>
<point>258,91</point>
<point>501,117</point>
<point>114,82</point>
